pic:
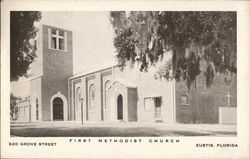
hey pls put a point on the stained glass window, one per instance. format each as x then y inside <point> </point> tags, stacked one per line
<point>92,97</point>
<point>105,92</point>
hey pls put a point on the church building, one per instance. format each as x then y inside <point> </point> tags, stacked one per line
<point>104,93</point>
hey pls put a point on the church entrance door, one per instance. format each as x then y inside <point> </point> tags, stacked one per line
<point>57,109</point>
<point>119,108</point>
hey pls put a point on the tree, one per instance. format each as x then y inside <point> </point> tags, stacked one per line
<point>145,36</point>
<point>22,29</point>
<point>13,102</point>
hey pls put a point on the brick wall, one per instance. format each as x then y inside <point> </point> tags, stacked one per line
<point>208,99</point>
<point>55,67</point>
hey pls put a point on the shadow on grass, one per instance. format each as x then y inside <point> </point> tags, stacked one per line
<point>232,133</point>
<point>22,126</point>
<point>99,132</point>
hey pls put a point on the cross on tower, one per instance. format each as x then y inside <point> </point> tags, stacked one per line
<point>228,98</point>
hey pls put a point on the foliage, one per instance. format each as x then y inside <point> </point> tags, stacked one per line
<point>13,101</point>
<point>22,29</point>
<point>146,36</point>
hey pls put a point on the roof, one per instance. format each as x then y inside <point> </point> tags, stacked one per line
<point>153,95</point>
<point>96,68</point>
<point>23,100</point>
<point>123,82</point>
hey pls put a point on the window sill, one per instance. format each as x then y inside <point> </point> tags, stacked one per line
<point>58,50</point>
<point>182,104</point>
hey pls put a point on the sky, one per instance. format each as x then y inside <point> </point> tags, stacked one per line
<point>92,41</point>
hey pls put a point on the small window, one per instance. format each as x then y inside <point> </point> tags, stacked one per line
<point>57,39</point>
<point>184,100</point>
<point>148,103</point>
<point>158,102</point>
<point>151,103</point>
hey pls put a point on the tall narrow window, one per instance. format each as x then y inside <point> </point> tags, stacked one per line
<point>78,94</point>
<point>78,100</point>
<point>35,44</point>
<point>53,44</point>
<point>21,111</point>
<point>61,40</point>
<point>92,97</point>
<point>158,103</point>
<point>37,109</point>
<point>105,92</point>
<point>152,102</point>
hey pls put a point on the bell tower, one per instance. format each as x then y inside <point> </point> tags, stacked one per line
<point>50,72</point>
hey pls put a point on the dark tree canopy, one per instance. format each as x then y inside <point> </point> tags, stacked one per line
<point>146,36</point>
<point>22,29</point>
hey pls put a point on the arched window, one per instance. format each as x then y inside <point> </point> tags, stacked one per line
<point>77,103</point>
<point>78,95</point>
<point>105,92</point>
<point>37,109</point>
<point>92,97</point>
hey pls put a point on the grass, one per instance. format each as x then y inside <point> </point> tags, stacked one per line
<point>98,132</point>
<point>75,129</point>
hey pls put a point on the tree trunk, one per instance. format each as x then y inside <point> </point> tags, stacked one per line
<point>196,103</point>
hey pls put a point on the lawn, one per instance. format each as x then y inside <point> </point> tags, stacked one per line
<point>35,130</point>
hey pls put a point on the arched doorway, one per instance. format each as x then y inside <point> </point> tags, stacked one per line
<point>57,109</point>
<point>119,107</point>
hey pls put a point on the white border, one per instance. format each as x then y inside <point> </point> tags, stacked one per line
<point>186,148</point>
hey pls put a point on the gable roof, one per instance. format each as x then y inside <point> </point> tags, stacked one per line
<point>123,82</point>
<point>96,68</point>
